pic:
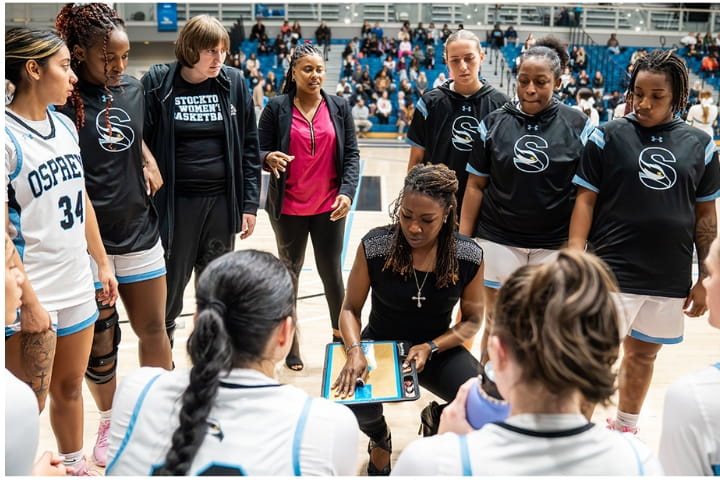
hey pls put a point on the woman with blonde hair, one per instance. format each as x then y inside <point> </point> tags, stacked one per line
<point>704,114</point>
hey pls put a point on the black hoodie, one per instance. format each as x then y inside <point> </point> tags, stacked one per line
<point>446,124</point>
<point>242,154</point>
<point>530,161</point>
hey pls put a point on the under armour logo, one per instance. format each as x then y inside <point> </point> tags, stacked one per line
<point>105,98</point>
<point>533,127</point>
<point>466,108</point>
<point>233,110</point>
<point>653,138</point>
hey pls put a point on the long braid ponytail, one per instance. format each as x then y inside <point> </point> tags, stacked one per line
<point>242,297</point>
<point>211,354</point>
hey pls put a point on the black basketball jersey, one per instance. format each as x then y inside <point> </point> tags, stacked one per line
<point>446,124</point>
<point>111,149</point>
<point>648,181</point>
<point>530,161</point>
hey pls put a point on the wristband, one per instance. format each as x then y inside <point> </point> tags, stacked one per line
<point>350,347</point>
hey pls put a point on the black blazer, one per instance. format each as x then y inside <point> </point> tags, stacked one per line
<point>274,135</point>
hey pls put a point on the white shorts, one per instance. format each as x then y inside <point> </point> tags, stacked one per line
<point>134,267</point>
<point>651,319</point>
<point>503,260</point>
<point>66,321</point>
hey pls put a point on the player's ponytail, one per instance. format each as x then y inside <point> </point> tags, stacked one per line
<point>242,297</point>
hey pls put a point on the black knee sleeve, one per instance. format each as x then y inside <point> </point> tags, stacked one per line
<point>109,358</point>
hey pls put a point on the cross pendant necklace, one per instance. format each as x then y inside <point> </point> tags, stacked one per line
<point>419,286</point>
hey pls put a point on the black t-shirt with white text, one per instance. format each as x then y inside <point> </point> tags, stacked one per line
<point>199,138</point>
<point>648,181</point>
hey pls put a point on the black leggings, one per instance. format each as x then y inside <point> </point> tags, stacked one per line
<point>291,235</point>
<point>443,375</point>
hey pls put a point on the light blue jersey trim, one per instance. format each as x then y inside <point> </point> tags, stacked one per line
<point>140,276</point>
<point>649,339</point>
<point>469,168</point>
<point>131,424</point>
<point>483,131</point>
<point>587,132</point>
<point>716,470</point>
<point>709,198</point>
<point>297,438</point>
<point>465,456</point>
<point>579,181</point>
<point>710,151</point>
<point>19,240</point>
<point>638,460</point>
<point>18,154</point>
<point>79,326</point>
<point>422,108</point>
<point>413,144</point>
<point>598,138</point>
<point>492,284</point>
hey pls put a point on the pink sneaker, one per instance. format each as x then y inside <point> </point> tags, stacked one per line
<point>82,469</point>
<point>101,444</point>
<point>612,425</point>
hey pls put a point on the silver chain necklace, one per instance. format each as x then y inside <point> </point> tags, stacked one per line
<point>419,286</point>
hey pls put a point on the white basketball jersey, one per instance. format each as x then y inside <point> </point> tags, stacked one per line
<point>45,194</point>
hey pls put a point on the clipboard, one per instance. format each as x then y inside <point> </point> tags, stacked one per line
<point>386,381</point>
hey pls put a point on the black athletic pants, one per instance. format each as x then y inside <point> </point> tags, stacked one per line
<point>443,375</point>
<point>291,235</point>
<point>201,234</point>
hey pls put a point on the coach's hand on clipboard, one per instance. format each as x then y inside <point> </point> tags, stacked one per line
<point>353,374</point>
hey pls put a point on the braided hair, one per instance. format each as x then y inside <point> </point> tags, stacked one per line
<point>85,25</point>
<point>242,297</point>
<point>668,62</point>
<point>302,50</point>
<point>439,183</point>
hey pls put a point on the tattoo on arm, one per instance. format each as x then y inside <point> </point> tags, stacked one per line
<point>705,233</point>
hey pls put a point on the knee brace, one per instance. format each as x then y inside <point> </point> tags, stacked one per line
<point>109,358</point>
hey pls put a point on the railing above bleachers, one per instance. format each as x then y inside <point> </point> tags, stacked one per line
<point>621,17</point>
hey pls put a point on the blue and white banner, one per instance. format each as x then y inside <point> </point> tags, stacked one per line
<point>167,17</point>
